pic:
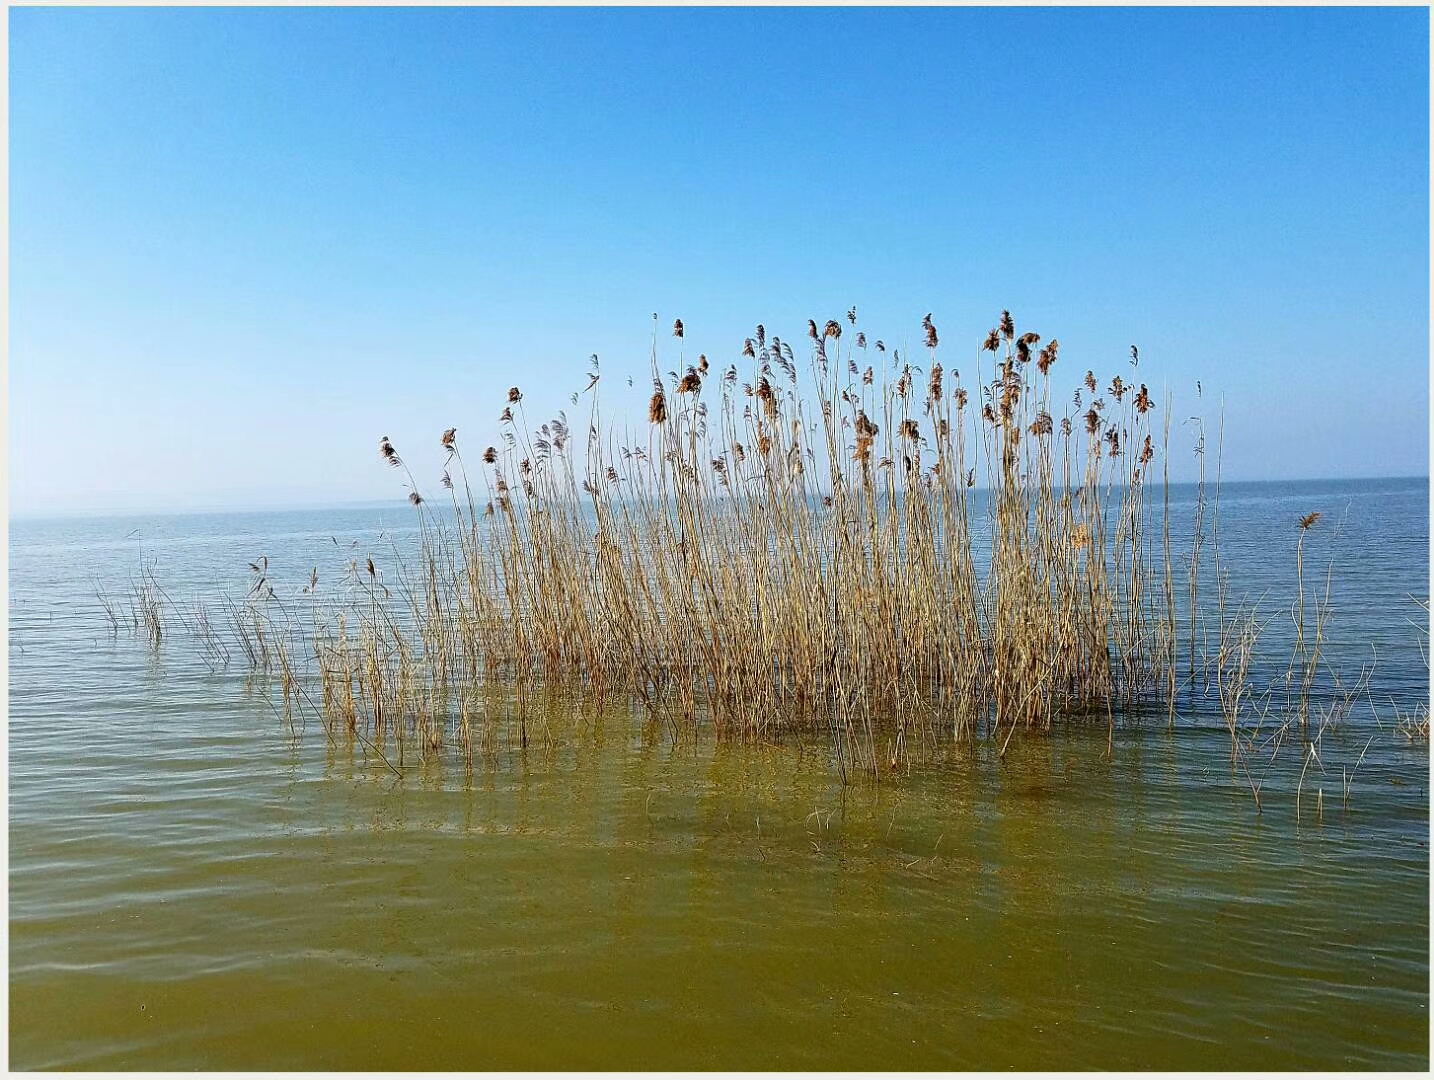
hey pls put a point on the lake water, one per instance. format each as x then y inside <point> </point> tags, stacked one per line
<point>190,887</point>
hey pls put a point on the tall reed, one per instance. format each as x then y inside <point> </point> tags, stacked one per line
<point>785,544</point>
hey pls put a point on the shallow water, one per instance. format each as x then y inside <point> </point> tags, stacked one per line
<point>190,888</point>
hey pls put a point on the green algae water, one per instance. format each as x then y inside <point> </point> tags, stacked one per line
<point>192,886</point>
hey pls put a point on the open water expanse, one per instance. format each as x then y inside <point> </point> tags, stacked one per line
<point>192,887</point>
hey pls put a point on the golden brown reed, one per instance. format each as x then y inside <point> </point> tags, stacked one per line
<point>799,550</point>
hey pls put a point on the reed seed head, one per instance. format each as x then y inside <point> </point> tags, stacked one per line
<point>1048,356</point>
<point>1023,346</point>
<point>768,398</point>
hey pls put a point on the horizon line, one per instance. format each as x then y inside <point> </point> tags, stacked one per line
<point>150,510</point>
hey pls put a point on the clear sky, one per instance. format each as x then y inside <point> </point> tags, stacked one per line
<point>247,243</point>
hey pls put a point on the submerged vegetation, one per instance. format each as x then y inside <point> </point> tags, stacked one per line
<point>856,543</point>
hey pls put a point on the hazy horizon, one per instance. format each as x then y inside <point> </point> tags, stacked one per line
<point>246,243</point>
<point>400,501</point>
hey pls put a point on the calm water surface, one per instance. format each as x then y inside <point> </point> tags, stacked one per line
<point>192,888</point>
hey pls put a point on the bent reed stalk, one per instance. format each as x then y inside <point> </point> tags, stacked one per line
<point>784,549</point>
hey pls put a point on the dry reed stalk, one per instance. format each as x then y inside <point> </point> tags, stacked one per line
<point>785,546</point>
<point>1305,656</point>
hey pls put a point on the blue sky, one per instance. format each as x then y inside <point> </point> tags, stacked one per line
<point>246,243</point>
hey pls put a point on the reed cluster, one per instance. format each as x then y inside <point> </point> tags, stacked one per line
<point>146,605</point>
<point>1414,724</point>
<point>786,543</point>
